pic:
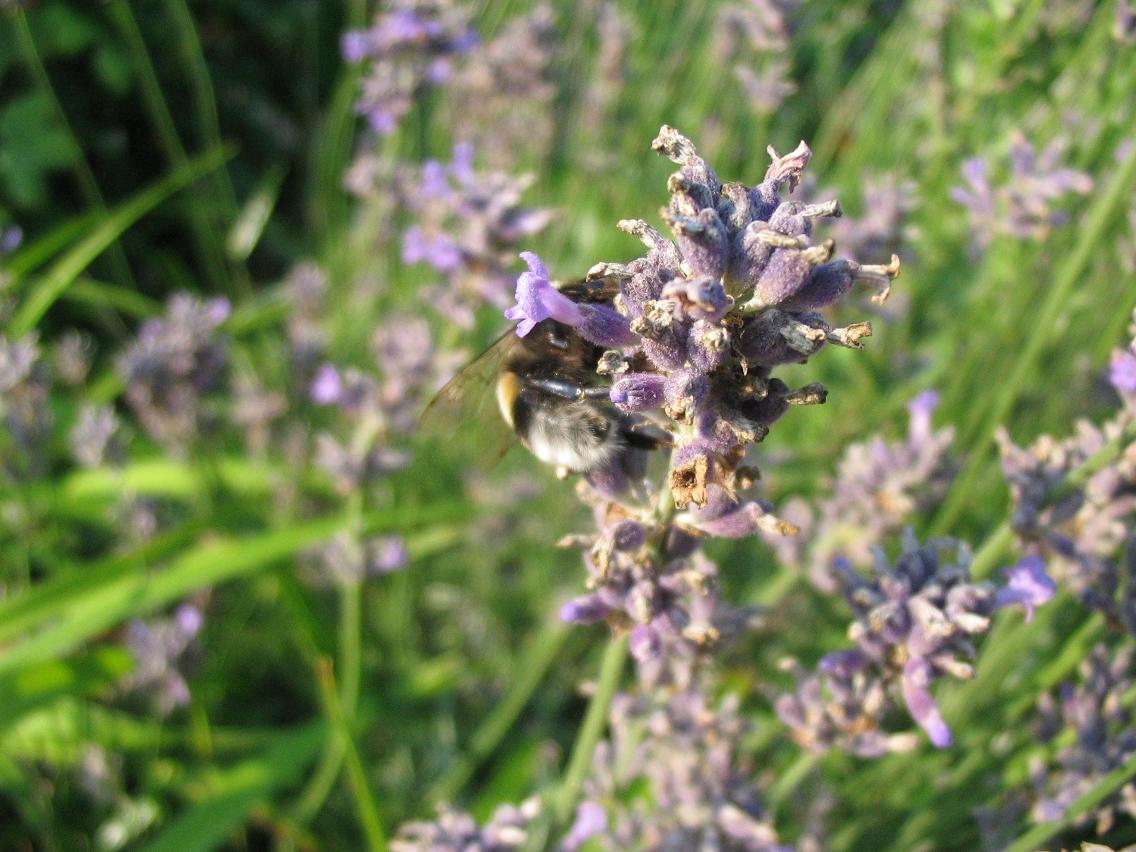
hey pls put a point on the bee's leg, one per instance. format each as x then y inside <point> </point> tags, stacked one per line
<point>566,389</point>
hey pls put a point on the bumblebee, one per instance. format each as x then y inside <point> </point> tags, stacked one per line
<point>545,386</point>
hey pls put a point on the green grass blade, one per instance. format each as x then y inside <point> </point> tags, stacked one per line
<point>63,273</point>
<point>237,790</point>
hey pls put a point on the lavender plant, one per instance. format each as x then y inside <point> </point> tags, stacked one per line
<point>1084,528</point>
<point>407,50</point>
<point>1089,725</point>
<point>878,487</point>
<point>1023,204</point>
<point>915,622</point>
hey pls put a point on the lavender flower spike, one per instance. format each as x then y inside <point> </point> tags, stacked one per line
<point>538,300</point>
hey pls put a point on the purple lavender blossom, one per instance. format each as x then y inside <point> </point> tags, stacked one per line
<point>538,300</point>
<point>171,366</point>
<point>467,227</point>
<point>753,38</point>
<point>1022,204</point>
<point>348,559</point>
<point>701,791</point>
<point>305,290</point>
<point>1084,531</point>
<point>405,52</point>
<point>915,622</point>
<point>456,831</point>
<point>1096,711</point>
<point>502,99</point>
<point>161,649</point>
<point>879,487</point>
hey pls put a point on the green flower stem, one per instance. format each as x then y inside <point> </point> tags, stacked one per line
<point>595,720</point>
<point>1039,835</point>
<point>88,186</point>
<point>365,807</point>
<point>538,659</point>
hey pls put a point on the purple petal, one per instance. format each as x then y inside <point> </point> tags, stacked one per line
<point>1026,584</point>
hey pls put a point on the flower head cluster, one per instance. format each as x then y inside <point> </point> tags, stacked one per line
<point>161,649</point>
<point>25,383</point>
<point>879,486</point>
<point>467,226</point>
<point>456,831</point>
<point>1022,204</point>
<point>407,50</point>
<point>699,792</point>
<point>753,37</point>
<point>1098,712</point>
<point>915,622</point>
<point>1085,528</point>
<point>305,290</point>
<point>650,579</point>
<point>503,96</point>
<point>347,559</point>
<point>171,365</point>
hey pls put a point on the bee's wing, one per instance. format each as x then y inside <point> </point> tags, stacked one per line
<point>469,400</point>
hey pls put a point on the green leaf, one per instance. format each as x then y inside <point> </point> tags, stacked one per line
<point>236,790</point>
<point>44,682</point>
<point>31,146</point>
<point>64,271</point>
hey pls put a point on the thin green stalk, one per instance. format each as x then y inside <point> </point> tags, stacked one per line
<point>365,807</point>
<point>537,660</point>
<point>204,96</point>
<point>1039,835</point>
<point>595,720</point>
<point>350,643</point>
<point>210,245</point>
<point>88,186</point>
<point>1099,217</point>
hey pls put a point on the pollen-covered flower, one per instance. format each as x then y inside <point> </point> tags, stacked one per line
<point>915,622</point>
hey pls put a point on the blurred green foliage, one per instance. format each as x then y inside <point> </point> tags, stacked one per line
<point>464,681</point>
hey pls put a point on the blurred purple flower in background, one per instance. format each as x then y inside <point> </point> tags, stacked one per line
<point>170,367</point>
<point>1097,712</point>
<point>468,226</point>
<point>753,37</point>
<point>162,648</point>
<point>1022,204</point>
<point>502,97</point>
<point>456,831</point>
<point>879,487</point>
<point>406,51</point>
<point>25,384</point>
<point>687,751</point>
<point>1085,529</point>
